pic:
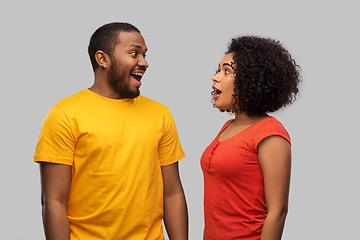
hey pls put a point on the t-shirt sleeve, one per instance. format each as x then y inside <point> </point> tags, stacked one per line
<point>56,142</point>
<point>170,149</point>
<point>270,128</point>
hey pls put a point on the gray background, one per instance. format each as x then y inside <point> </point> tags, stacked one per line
<point>44,59</point>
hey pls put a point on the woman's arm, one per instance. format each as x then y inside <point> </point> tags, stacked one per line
<point>275,163</point>
<point>55,187</point>
<point>175,209</point>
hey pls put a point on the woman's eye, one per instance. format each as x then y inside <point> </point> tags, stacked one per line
<point>217,71</point>
<point>227,71</point>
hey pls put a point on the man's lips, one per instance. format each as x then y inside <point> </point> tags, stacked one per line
<point>137,75</point>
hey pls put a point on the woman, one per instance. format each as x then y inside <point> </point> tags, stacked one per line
<point>247,166</point>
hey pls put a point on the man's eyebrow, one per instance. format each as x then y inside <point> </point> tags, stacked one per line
<point>134,45</point>
<point>137,46</point>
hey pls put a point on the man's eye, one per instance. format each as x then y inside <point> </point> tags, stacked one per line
<point>134,53</point>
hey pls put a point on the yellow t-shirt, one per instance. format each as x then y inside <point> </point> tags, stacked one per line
<point>115,148</point>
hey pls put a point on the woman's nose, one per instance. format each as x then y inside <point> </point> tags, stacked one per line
<point>215,78</point>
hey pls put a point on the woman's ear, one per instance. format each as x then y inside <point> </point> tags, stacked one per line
<point>102,59</point>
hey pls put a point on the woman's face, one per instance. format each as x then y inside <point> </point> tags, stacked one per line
<point>224,83</point>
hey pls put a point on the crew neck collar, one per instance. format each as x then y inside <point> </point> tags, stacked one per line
<point>108,100</point>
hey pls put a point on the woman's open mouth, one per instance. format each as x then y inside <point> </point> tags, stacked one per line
<point>217,93</point>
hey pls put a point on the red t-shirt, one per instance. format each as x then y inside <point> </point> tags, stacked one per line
<point>234,198</point>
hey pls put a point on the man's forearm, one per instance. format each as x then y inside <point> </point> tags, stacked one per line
<point>176,216</point>
<point>56,221</point>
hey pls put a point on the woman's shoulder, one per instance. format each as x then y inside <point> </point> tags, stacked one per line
<point>267,127</point>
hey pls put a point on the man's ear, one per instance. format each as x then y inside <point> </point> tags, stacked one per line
<point>102,59</point>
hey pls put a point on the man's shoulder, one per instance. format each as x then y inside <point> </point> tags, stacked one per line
<point>152,102</point>
<point>70,100</point>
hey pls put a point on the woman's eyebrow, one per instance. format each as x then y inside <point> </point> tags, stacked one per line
<point>228,64</point>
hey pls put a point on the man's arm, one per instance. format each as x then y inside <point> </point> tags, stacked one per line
<point>275,162</point>
<point>175,209</point>
<point>55,187</point>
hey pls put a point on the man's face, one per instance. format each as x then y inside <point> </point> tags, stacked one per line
<point>128,65</point>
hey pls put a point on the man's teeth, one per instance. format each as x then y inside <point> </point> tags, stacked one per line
<point>138,74</point>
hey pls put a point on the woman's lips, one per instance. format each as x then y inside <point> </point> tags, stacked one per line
<point>217,93</point>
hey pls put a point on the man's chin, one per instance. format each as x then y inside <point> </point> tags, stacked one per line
<point>129,93</point>
<point>134,96</point>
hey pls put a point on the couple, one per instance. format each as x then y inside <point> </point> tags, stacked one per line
<point>109,157</point>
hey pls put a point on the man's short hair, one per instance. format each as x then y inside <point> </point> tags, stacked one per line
<point>105,39</point>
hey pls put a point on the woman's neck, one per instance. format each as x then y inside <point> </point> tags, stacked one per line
<point>244,119</point>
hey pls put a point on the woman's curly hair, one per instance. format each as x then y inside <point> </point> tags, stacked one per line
<point>266,78</point>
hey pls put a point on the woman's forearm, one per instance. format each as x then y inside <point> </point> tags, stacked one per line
<point>274,225</point>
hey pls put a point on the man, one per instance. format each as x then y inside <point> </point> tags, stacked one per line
<point>108,156</point>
